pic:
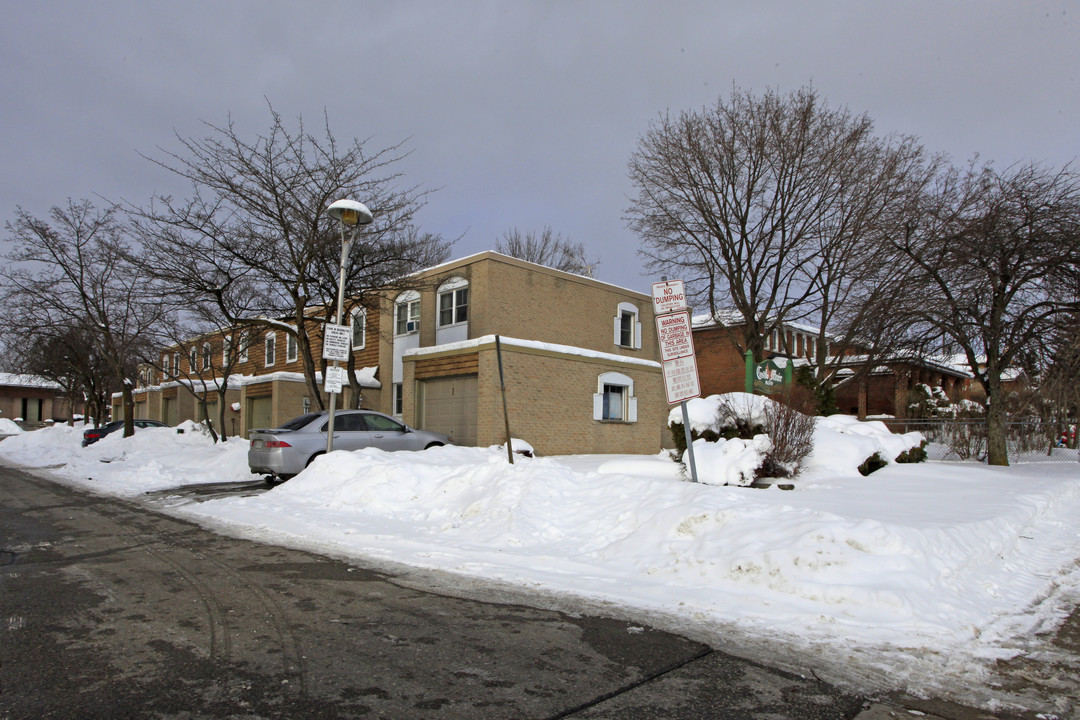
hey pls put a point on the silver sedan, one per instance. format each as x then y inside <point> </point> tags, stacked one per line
<point>282,452</point>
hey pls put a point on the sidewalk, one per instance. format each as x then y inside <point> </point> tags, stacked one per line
<point>1046,679</point>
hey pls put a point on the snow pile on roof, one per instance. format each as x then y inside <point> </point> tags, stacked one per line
<point>22,380</point>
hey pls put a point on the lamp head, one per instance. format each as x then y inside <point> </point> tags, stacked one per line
<point>350,212</point>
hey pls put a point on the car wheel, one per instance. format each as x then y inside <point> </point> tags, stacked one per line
<point>431,445</point>
<point>312,458</point>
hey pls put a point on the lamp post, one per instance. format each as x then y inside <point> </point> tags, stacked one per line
<point>347,212</point>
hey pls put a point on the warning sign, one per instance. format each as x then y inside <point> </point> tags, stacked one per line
<point>676,335</point>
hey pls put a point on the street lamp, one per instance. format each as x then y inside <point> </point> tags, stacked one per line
<point>347,212</point>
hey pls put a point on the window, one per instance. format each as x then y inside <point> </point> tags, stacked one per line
<point>399,399</point>
<point>206,356</point>
<point>165,365</point>
<point>193,359</point>
<point>407,313</point>
<point>627,327</point>
<point>454,302</point>
<point>226,350</point>
<point>176,363</point>
<point>271,349</point>
<point>242,348</point>
<point>359,328</point>
<point>614,400</point>
<point>291,352</point>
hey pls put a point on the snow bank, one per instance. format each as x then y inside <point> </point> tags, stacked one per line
<point>841,442</point>
<point>924,573</point>
<point>9,427</point>
<point>152,459</point>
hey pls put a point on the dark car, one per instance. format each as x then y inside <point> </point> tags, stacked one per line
<point>92,435</point>
<point>283,452</point>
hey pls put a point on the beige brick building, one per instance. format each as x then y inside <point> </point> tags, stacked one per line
<point>579,358</point>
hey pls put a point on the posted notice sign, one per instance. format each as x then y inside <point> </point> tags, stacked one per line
<point>668,296</point>
<point>681,379</point>
<point>676,335</point>
<point>335,379</point>
<point>337,342</point>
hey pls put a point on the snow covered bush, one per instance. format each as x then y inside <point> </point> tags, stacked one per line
<point>792,436</point>
<point>739,437</point>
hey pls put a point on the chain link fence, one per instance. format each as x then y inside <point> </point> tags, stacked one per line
<point>965,440</point>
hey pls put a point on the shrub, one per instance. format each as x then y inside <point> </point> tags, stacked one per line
<point>873,463</point>
<point>792,436</point>
<point>913,455</point>
<point>824,396</point>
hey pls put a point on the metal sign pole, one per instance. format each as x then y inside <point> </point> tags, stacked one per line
<point>689,442</point>
<point>502,389</point>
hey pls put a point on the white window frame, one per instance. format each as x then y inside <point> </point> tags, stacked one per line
<point>242,347</point>
<point>628,405</point>
<point>165,364</point>
<point>358,321</point>
<point>456,290</point>
<point>270,349</point>
<point>193,359</point>
<point>226,350</point>
<point>207,349</point>
<point>628,309</point>
<point>406,310</point>
<point>292,347</point>
<point>176,363</point>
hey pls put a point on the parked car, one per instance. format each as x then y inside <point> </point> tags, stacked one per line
<point>282,452</point>
<point>92,435</point>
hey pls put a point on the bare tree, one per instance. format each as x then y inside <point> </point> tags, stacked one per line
<point>548,248</point>
<point>70,278</point>
<point>990,257</point>
<point>256,218</point>
<point>762,205</point>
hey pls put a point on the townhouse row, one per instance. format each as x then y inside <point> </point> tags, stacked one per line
<point>575,358</point>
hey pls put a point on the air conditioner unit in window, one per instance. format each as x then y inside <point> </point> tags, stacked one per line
<point>412,326</point>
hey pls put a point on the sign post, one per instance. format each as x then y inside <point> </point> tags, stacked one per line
<point>674,330</point>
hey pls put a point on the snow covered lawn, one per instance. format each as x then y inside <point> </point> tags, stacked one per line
<point>932,568</point>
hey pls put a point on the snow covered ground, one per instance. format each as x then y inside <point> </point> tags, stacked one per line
<point>917,576</point>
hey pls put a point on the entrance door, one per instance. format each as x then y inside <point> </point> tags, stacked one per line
<point>448,405</point>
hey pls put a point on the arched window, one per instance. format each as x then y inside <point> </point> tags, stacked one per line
<point>614,398</point>
<point>206,356</point>
<point>358,322</point>
<point>271,349</point>
<point>627,326</point>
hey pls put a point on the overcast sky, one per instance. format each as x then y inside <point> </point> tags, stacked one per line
<point>521,114</point>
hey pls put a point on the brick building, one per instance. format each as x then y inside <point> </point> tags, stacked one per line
<point>579,358</point>
<point>33,400</point>
<point>882,390</point>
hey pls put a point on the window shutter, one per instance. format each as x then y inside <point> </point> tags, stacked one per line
<point>637,336</point>
<point>598,406</point>
<point>618,330</point>
<point>631,409</point>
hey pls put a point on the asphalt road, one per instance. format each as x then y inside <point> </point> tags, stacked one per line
<point>110,610</point>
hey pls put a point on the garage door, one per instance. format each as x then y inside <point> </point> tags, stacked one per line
<point>170,411</point>
<point>448,405</point>
<point>259,410</point>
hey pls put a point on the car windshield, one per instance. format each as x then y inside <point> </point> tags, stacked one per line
<point>298,422</point>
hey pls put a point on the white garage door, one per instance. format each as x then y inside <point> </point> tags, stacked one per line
<point>448,405</point>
